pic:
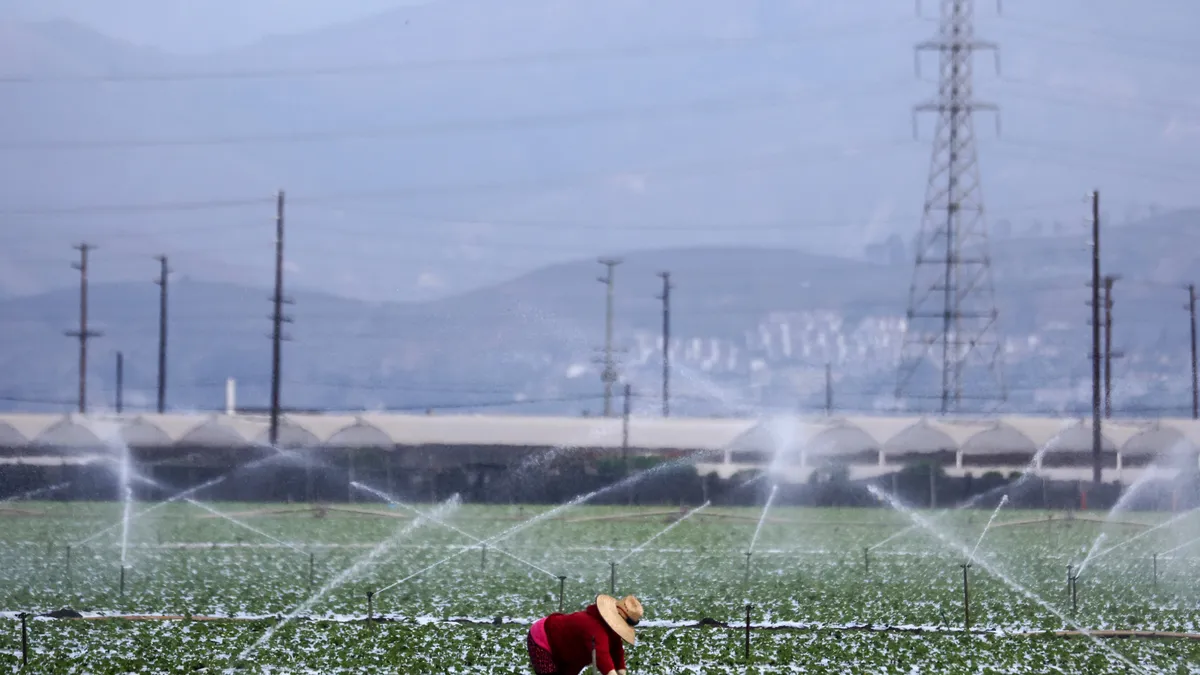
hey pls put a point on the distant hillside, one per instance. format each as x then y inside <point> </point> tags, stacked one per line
<point>749,327</point>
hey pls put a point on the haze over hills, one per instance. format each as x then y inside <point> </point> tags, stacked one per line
<point>751,328</point>
<point>629,125</point>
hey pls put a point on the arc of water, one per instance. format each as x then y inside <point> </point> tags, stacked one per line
<point>178,496</point>
<point>763,518</point>
<point>341,577</point>
<point>34,493</point>
<point>1003,501</point>
<point>388,498</point>
<point>543,516</point>
<point>1181,546</point>
<point>995,571</point>
<point>1166,523</point>
<point>215,512</point>
<point>1091,553</point>
<point>1012,487</point>
<point>665,530</point>
<point>491,540</point>
<point>242,525</point>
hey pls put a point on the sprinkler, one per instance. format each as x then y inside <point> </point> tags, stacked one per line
<point>1074,593</point>
<point>562,587</point>
<point>1069,579</point>
<point>1155,572</point>
<point>122,581</point>
<point>24,640</point>
<point>70,583</point>
<point>748,607</point>
<point>482,557</point>
<point>310,570</point>
<point>612,579</point>
<point>370,609</point>
<point>747,580</point>
<point>966,599</point>
<point>866,560</point>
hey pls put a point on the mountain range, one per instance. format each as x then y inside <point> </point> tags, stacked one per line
<point>431,150</point>
<point>751,328</point>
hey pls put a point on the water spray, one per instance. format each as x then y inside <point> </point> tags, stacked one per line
<point>342,576</point>
<point>1003,501</point>
<point>995,571</point>
<point>665,530</point>
<point>746,581</point>
<point>483,544</point>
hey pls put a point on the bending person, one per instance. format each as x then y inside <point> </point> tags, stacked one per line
<point>563,644</point>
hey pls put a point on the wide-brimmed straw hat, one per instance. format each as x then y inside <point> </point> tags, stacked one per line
<point>620,615</point>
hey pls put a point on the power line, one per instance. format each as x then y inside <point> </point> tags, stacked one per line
<point>718,105</point>
<point>811,153</point>
<point>532,58</point>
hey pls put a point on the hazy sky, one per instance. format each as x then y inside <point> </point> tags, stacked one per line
<point>198,25</point>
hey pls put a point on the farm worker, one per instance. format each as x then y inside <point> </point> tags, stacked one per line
<point>562,644</point>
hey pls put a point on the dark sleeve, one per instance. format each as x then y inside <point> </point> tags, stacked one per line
<point>604,660</point>
<point>618,654</point>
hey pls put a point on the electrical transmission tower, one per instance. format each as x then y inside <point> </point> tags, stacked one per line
<point>951,348</point>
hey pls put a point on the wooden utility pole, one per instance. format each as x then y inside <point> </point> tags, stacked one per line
<point>83,334</point>
<point>277,321</point>
<point>628,411</point>
<point>1109,354</point>
<point>1195,375</point>
<point>1097,438</point>
<point>164,270</point>
<point>666,343</point>
<point>828,389</point>
<point>120,383</point>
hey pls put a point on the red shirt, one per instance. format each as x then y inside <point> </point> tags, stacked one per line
<point>571,637</point>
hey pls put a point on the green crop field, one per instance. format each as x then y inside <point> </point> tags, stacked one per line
<point>288,587</point>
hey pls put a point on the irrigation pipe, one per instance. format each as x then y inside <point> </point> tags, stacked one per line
<point>702,623</point>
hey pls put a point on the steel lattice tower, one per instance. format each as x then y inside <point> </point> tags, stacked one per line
<point>951,328</point>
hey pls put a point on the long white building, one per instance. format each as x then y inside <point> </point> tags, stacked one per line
<point>793,446</point>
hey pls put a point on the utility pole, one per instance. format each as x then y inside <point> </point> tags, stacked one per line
<point>120,382</point>
<point>666,343</point>
<point>828,389</point>
<point>83,333</point>
<point>625,439</point>
<point>164,270</point>
<point>1109,354</point>
<point>609,375</point>
<point>625,427</point>
<point>1097,438</point>
<point>277,321</point>
<point>1195,375</point>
